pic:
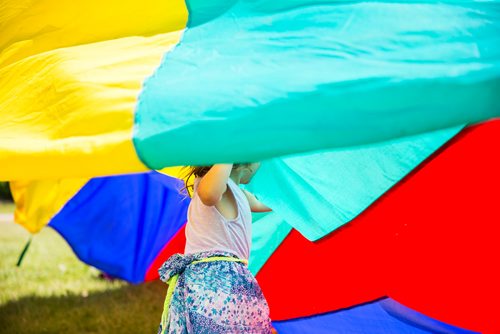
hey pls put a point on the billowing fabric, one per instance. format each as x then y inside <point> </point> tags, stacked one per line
<point>253,79</point>
<point>362,247</point>
<point>430,243</point>
<point>208,230</point>
<point>214,297</point>
<point>319,192</point>
<point>278,77</point>
<point>38,202</point>
<point>123,234</point>
<point>70,74</point>
<point>365,94</point>
<point>384,316</point>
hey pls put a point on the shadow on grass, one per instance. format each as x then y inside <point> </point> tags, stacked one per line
<point>127,309</point>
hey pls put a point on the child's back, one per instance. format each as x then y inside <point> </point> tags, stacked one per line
<point>208,230</point>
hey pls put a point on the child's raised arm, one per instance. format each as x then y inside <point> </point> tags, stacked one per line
<point>214,184</point>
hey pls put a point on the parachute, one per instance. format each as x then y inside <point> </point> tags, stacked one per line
<point>362,114</point>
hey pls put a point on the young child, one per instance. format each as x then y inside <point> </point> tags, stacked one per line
<point>210,288</point>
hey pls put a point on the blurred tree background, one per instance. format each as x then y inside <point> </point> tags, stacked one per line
<point>5,194</point>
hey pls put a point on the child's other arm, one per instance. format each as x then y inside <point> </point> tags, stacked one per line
<point>255,204</point>
<point>214,184</point>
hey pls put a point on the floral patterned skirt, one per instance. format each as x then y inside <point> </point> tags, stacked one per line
<point>213,297</point>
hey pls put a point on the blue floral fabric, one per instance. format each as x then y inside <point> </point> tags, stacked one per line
<point>214,297</point>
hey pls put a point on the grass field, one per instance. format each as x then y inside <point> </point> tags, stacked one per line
<point>54,292</point>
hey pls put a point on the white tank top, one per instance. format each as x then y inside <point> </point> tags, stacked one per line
<point>208,230</point>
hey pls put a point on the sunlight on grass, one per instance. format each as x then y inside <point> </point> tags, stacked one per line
<point>53,291</point>
<point>49,268</point>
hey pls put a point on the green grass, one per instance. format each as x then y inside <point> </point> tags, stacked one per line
<point>54,292</point>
